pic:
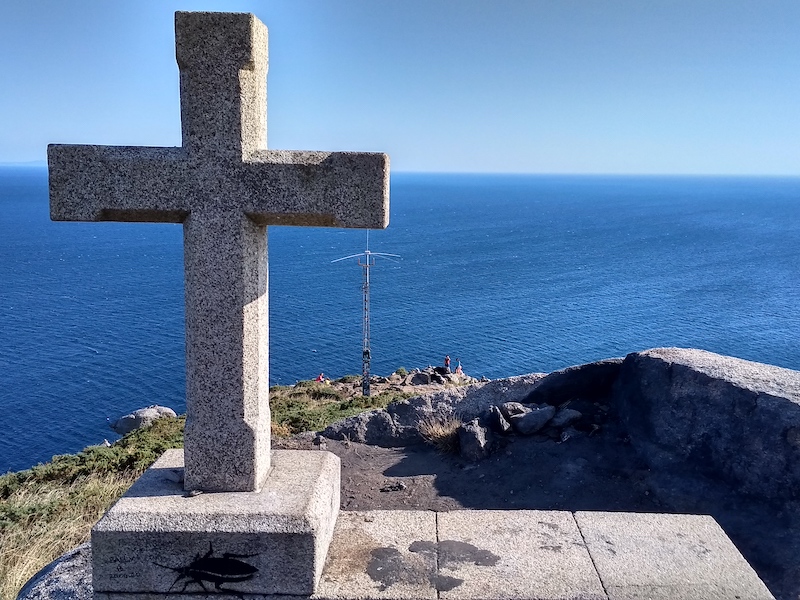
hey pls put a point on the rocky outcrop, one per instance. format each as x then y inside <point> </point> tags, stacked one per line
<point>432,375</point>
<point>682,409</point>
<point>396,425</point>
<point>140,418</point>
<point>725,417</point>
<point>532,418</point>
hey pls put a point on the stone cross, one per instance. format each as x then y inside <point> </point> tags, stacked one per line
<point>225,187</point>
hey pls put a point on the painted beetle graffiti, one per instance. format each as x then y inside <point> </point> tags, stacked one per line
<point>213,569</point>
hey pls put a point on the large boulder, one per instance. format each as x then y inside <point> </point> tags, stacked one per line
<point>420,378</point>
<point>140,418</point>
<point>565,416</point>
<point>534,419</point>
<point>67,578</point>
<point>498,421</point>
<point>510,409</point>
<point>728,418</point>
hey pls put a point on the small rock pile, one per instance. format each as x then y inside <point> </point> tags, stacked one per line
<point>477,437</point>
<point>433,375</point>
<point>415,381</point>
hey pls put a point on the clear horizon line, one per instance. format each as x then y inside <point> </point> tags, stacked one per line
<point>43,164</point>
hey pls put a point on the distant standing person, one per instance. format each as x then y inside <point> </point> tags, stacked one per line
<point>447,362</point>
<point>458,366</point>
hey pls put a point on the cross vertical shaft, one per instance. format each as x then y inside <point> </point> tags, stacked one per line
<point>227,438</point>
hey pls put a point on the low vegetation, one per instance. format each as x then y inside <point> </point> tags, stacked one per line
<point>51,508</point>
<point>312,406</point>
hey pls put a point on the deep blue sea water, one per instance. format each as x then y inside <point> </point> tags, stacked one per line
<point>512,274</point>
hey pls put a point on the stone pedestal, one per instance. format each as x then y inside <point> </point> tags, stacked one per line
<point>159,539</point>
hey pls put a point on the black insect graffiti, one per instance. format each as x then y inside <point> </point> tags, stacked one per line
<point>227,568</point>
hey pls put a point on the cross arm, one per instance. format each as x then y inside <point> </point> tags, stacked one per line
<point>117,183</point>
<point>322,189</point>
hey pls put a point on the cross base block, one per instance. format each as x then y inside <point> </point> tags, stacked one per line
<point>158,539</point>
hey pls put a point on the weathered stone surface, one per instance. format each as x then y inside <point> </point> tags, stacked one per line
<point>67,578</point>
<point>724,416</point>
<point>497,421</point>
<point>279,536</point>
<point>225,187</point>
<point>383,555</point>
<point>533,420</point>
<point>510,409</point>
<point>592,380</point>
<point>375,427</point>
<point>564,417</point>
<point>420,378</point>
<point>507,555</point>
<point>474,440</point>
<point>667,557</point>
<point>141,417</point>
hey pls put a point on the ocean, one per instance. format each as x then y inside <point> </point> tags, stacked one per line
<point>510,273</point>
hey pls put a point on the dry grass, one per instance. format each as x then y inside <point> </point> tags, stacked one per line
<point>440,429</point>
<point>46,520</point>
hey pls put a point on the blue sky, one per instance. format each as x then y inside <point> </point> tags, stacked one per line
<point>528,86</point>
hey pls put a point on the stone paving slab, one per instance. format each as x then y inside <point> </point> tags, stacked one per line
<point>385,555</point>
<point>643,556</point>
<point>521,554</point>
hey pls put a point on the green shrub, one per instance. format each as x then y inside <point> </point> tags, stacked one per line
<point>402,372</point>
<point>134,452</point>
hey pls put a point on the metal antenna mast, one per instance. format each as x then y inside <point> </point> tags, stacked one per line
<point>369,261</point>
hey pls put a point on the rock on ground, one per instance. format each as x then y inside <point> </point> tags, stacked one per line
<point>474,440</point>
<point>724,416</point>
<point>141,418</point>
<point>67,578</point>
<point>533,419</point>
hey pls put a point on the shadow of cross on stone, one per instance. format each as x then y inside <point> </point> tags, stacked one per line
<point>225,187</point>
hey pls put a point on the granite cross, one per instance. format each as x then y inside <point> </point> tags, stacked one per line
<point>225,187</point>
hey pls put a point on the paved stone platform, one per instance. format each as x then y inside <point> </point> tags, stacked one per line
<point>497,555</point>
